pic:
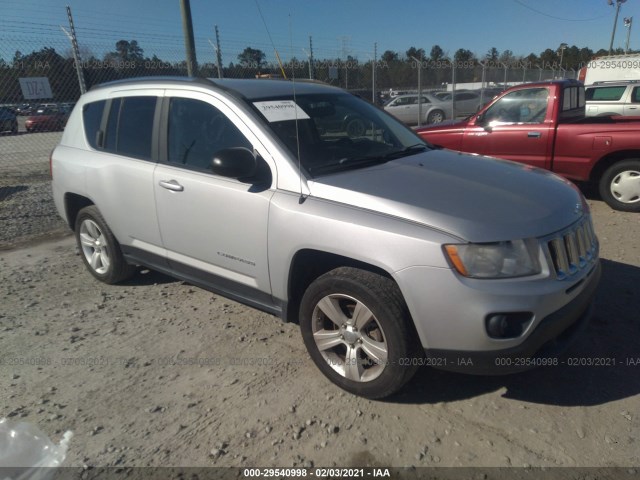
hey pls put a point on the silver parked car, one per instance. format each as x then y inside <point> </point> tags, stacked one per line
<point>388,252</point>
<point>435,109</point>
<point>613,98</point>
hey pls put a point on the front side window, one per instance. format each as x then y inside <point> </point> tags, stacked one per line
<point>635,96</point>
<point>405,101</point>
<point>197,131</point>
<point>521,106</point>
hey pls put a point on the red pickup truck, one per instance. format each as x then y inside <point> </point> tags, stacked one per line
<point>544,125</point>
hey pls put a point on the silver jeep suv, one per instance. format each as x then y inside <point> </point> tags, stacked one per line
<point>307,202</point>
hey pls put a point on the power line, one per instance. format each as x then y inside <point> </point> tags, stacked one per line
<point>560,18</point>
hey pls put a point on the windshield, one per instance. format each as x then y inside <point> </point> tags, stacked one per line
<point>337,131</point>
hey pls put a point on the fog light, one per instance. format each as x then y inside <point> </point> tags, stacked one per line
<point>507,325</point>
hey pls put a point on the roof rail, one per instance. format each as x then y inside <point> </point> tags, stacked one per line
<point>159,78</point>
<point>625,82</point>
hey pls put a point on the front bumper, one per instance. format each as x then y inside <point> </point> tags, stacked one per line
<point>550,338</point>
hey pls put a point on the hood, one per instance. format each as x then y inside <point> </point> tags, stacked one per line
<point>478,199</point>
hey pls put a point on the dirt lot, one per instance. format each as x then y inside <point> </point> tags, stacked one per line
<point>158,372</point>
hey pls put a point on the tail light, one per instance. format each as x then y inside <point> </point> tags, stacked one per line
<point>51,164</point>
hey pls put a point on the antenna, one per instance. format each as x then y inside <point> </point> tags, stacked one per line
<point>271,40</point>
<point>295,101</point>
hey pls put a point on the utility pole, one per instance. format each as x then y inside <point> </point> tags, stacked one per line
<point>484,80</point>
<point>628,22</point>
<point>76,52</point>
<point>346,63</point>
<point>218,54</point>
<point>615,22</point>
<point>310,58</point>
<point>373,74</point>
<point>562,48</point>
<point>189,43</point>
<point>419,64</point>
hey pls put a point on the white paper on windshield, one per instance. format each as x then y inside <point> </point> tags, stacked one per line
<point>281,110</point>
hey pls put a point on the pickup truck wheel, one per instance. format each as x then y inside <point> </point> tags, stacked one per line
<point>437,116</point>
<point>99,249</point>
<point>356,327</point>
<point>620,186</point>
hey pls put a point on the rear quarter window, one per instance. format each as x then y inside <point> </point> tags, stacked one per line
<point>92,118</point>
<point>605,94</point>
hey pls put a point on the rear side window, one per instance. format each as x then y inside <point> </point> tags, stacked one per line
<point>92,117</point>
<point>130,126</point>
<point>635,96</point>
<point>606,94</point>
<point>573,97</point>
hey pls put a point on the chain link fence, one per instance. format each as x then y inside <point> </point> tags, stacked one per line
<point>40,80</point>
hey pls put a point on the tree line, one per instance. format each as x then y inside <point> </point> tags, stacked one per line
<point>392,69</point>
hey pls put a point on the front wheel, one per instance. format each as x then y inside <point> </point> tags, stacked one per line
<point>99,249</point>
<point>357,330</point>
<point>437,116</point>
<point>620,186</point>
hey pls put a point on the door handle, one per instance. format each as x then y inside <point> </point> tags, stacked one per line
<point>171,185</point>
<point>632,108</point>
<point>534,134</point>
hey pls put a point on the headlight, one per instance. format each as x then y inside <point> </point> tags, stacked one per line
<point>516,258</point>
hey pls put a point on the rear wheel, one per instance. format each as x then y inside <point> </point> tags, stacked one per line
<point>356,327</point>
<point>99,249</point>
<point>620,186</point>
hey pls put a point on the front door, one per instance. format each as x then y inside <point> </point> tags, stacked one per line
<point>518,127</point>
<point>213,228</point>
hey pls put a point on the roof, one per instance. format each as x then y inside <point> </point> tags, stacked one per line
<point>252,89</point>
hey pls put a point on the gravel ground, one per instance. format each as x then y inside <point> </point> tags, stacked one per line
<point>27,212</point>
<point>158,372</point>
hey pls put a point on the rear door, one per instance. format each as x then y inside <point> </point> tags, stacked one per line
<point>213,228</point>
<point>119,175</point>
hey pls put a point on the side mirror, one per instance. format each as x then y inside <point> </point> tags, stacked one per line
<point>236,162</point>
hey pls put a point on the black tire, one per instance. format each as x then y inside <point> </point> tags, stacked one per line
<point>386,323</point>
<point>109,265</point>
<point>620,186</point>
<point>436,116</point>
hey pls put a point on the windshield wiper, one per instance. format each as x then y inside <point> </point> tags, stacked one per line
<point>405,152</point>
<point>367,161</point>
<point>349,163</point>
